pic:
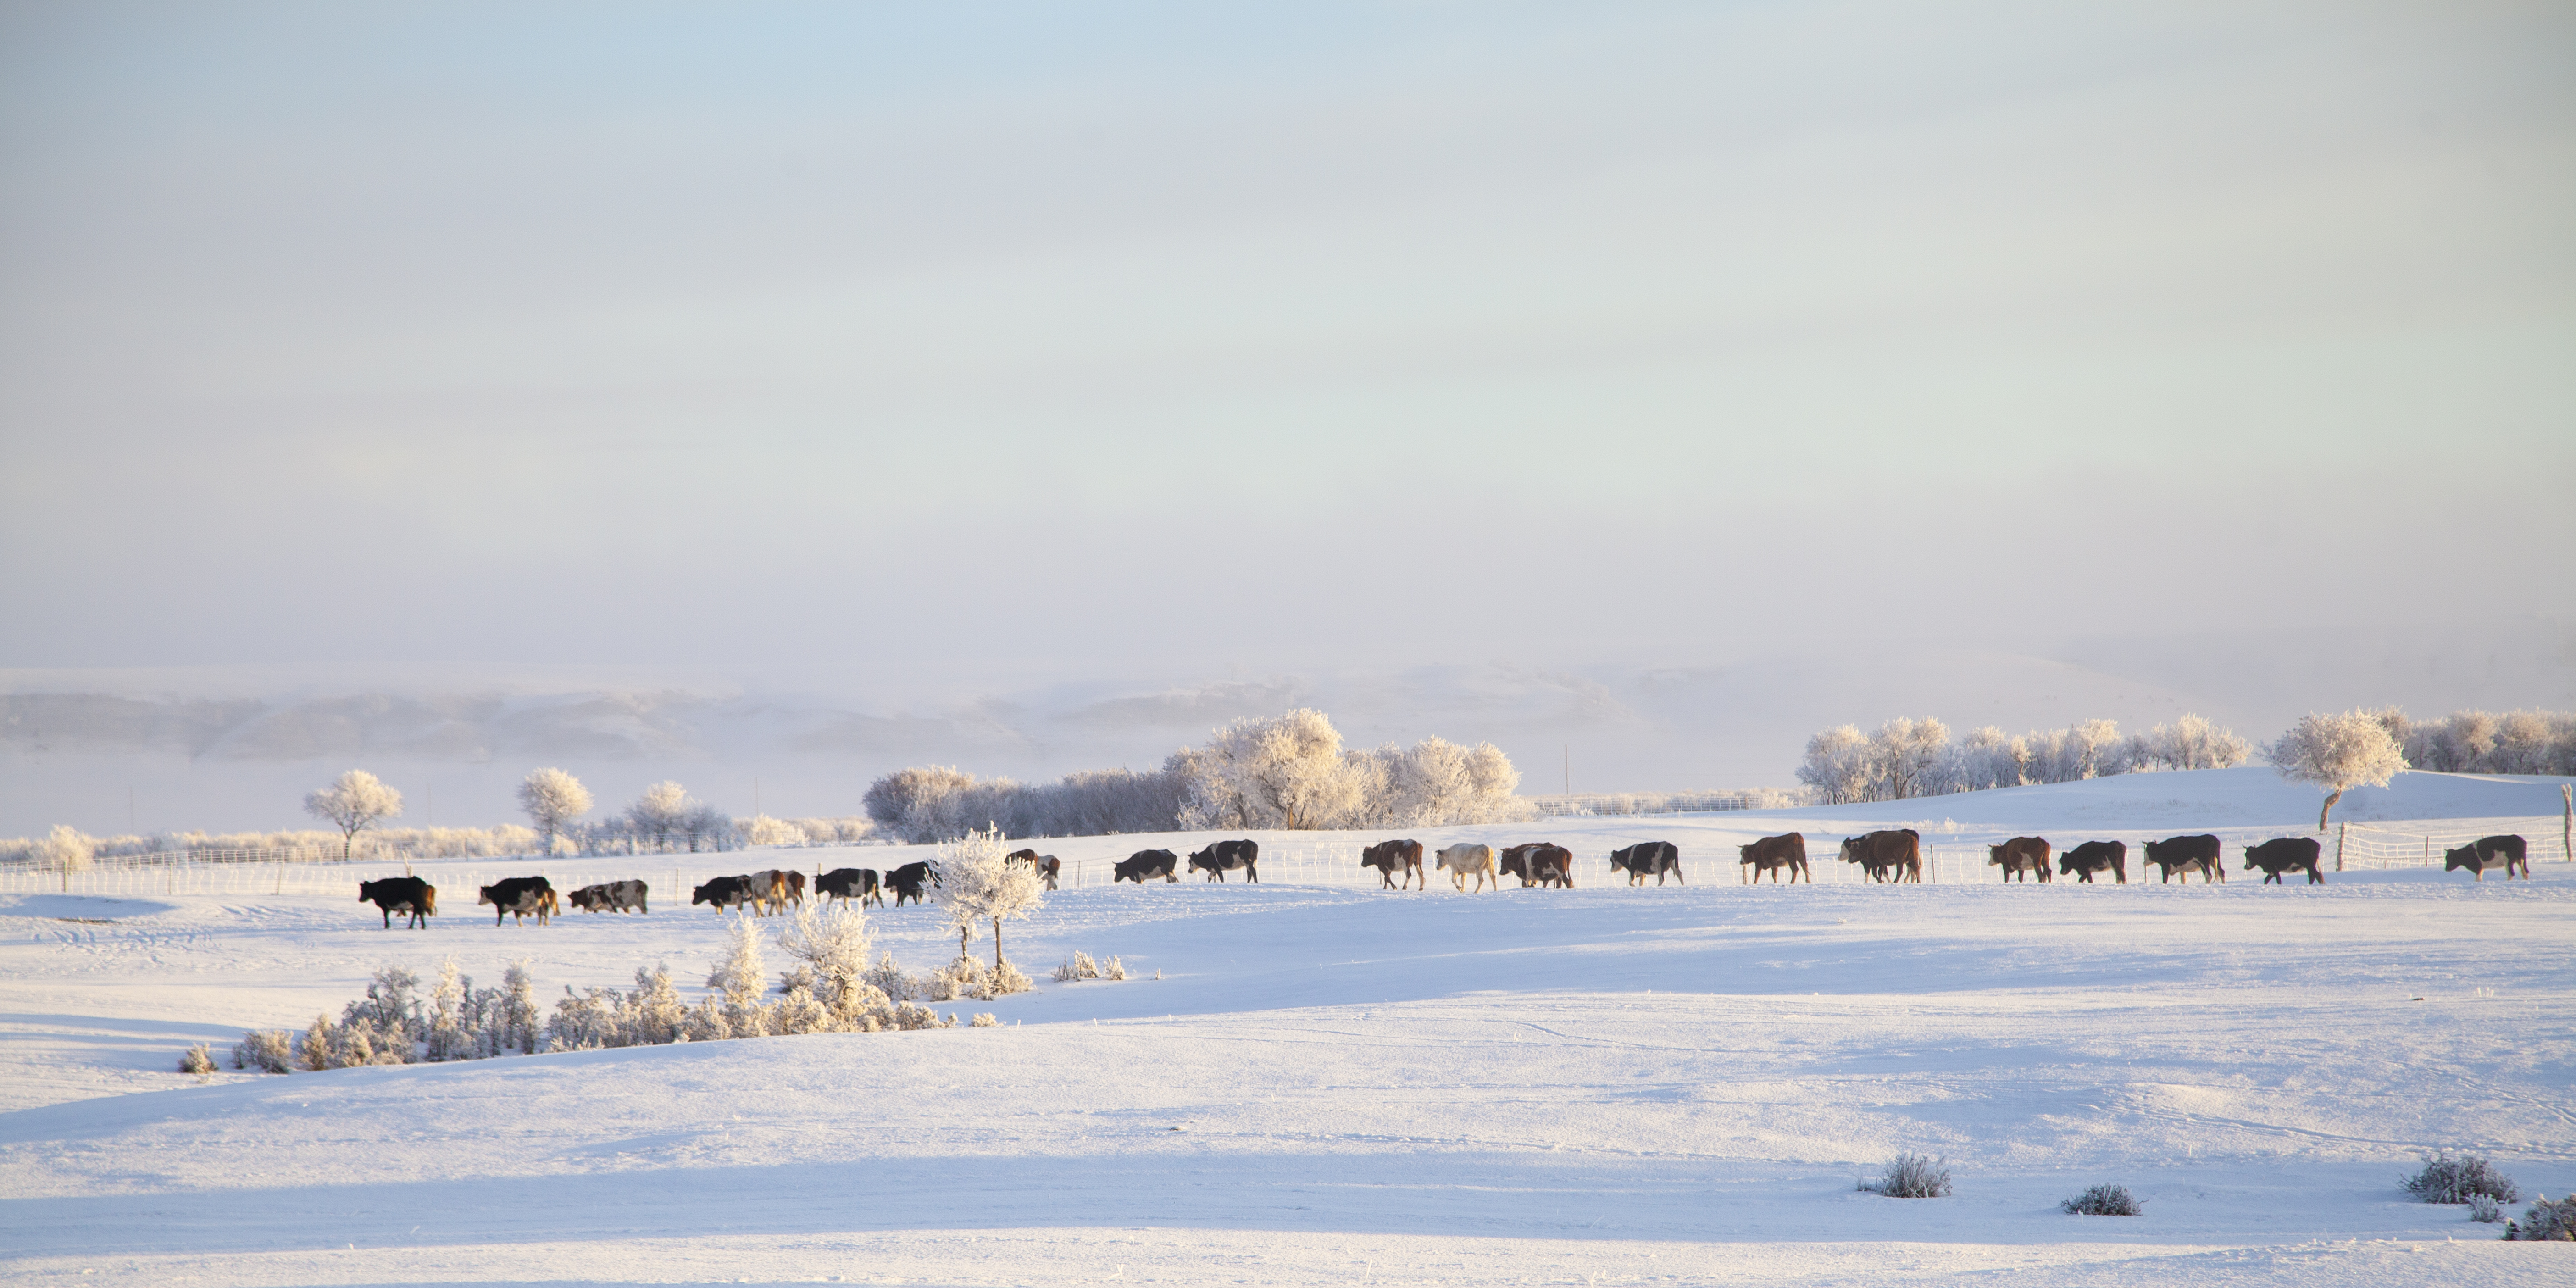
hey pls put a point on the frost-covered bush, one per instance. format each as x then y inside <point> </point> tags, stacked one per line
<point>1080,967</point>
<point>2545,1222</point>
<point>1912,1176</point>
<point>2446,1179</point>
<point>2102,1200</point>
<point>962,978</point>
<point>889,979</point>
<point>267,1050</point>
<point>197,1059</point>
<point>2485,1210</point>
<point>983,1020</point>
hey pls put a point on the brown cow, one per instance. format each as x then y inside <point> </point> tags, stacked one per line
<point>1541,863</point>
<point>1389,856</point>
<point>2018,855</point>
<point>1772,854</point>
<point>1045,865</point>
<point>1887,856</point>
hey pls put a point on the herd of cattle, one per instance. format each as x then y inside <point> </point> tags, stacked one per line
<point>1889,856</point>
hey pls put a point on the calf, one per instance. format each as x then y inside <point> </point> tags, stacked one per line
<point>2506,852</point>
<point>614,896</point>
<point>1540,863</point>
<point>409,895</point>
<point>846,884</point>
<point>2094,856</point>
<point>1775,854</point>
<point>1468,857</point>
<point>721,893</point>
<point>1390,857</point>
<point>1222,857</point>
<point>1887,856</point>
<point>2285,854</point>
<point>2019,855</point>
<point>2183,853</point>
<point>906,881</point>
<point>519,896</point>
<point>1657,857</point>
<point>1146,863</point>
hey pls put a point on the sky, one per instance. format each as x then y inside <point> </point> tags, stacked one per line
<point>920,354</point>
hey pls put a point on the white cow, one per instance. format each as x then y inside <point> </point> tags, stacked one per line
<point>1465,857</point>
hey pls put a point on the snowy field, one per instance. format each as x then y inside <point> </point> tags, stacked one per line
<point>1332,1084</point>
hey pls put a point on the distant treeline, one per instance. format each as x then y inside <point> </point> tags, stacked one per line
<point>1906,758</point>
<point>1287,773</point>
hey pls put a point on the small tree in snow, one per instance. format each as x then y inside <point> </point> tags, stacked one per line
<point>552,798</point>
<point>831,950</point>
<point>66,850</point>
<point>2338,753</point>
<point>658,811</point>
<point>976,883</point>
<point>353,802</point>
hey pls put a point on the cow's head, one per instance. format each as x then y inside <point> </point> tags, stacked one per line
<point>485,896</point>
<point>1851,849</point>
<point>2464,857</point>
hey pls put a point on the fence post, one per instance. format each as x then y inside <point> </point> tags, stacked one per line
<point>2339,830</point>
<point>2567,824</point>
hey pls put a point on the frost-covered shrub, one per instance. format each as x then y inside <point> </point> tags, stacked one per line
<point>268,1050</point>
<point>1913,1176</point>
<point>983,1020</point>
<point>1005,980</point>
<point>2446,1179</point>
<point>2485,1210</point>
<point>962,978</point>
<point>2103,1200</point>
<point>1080,967</point>
<point>2545,1222</point>
<point>889,979</point>
<point>197,1059</point>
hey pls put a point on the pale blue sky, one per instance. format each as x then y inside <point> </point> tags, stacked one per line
<point>1003,343</point>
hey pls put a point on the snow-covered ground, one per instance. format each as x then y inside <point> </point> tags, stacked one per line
<point>1333,1084</point>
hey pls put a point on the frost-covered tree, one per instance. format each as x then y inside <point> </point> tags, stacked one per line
<point>65,850</point>
<point>831,949</point>
<point>1908,755</point>
<point>977,883</point>
<point>353,802</point>
<point>919,805</point>
<point>1286,772</point>
<point>2189,743</point>
<point>1840,766</point>
<point>1989,757</point>
<point>703,827</point>
<point>761,829</point>
<point>2337,753</point>
<point>741,976</point>
<point>658,813</point>
<point>552,798</point>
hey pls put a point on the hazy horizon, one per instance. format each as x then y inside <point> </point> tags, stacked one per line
<point>949,366</point>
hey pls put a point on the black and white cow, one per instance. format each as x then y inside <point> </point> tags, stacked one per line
<point>1540,863</point>
<point>518,897</point>
<point>1226,856</point>
<point>1648,858</point>
<point>2507,852</point>
<point>409,895</point>
<point>721,893</point>
<point>1146,863</point>
<point>849,883</point>
<point>613,896</point>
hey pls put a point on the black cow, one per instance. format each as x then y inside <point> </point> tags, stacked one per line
<point>1774,854</point>
<point>849,883</point>
<point>2486,852</point>
<point>1540,863</point>
<point>519,896</point>
<point>613,896</point>
<point>1657,857</point>
<point>401,894</point>
<point>1146,863</point>
<point>2019,855</point>
<point>1225,856</point>
<point>2185,853</point>
<point>2285,854</point>
<point>906,881</point>
<point>2094,856</point>
<point>1887,856</point>
<point>1390,857</point>
<point>721,893</point>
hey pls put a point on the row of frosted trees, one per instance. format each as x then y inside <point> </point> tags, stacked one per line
<point>1290,772</point>
<point>1905,758</point>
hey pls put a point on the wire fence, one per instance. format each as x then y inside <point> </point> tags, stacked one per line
<point>2381,846</point>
